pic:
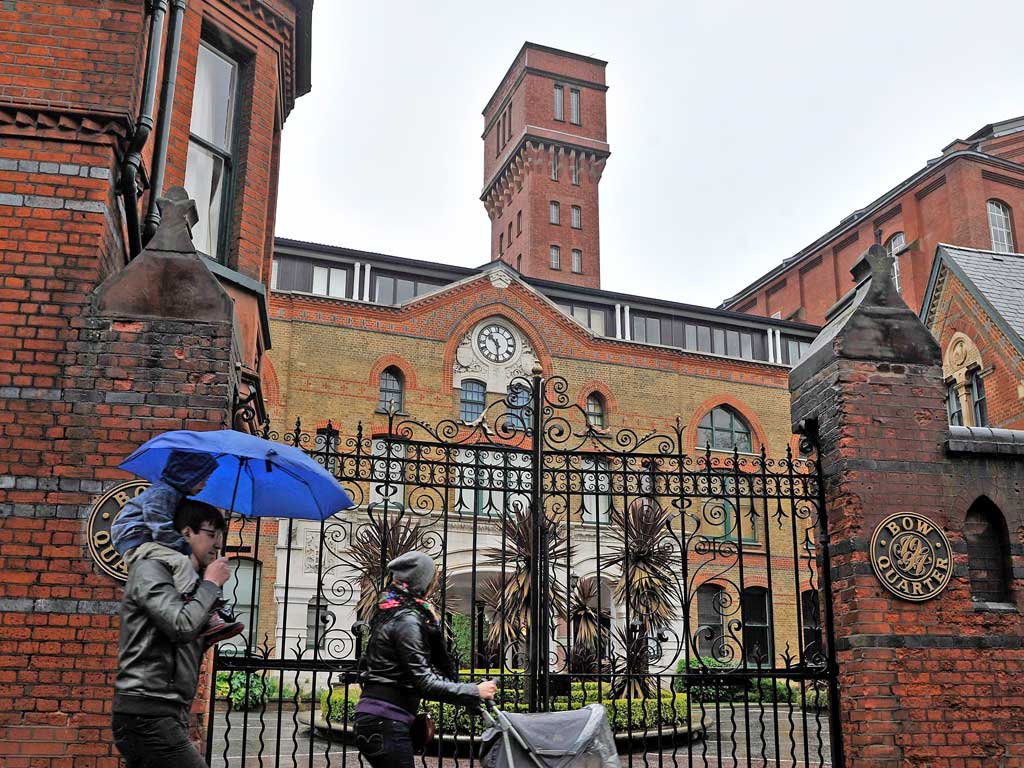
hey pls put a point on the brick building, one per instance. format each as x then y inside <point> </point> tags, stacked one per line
<point>114,328</point>
<point>974,307</point>
<point>354,330</point>
<point>970,196</point>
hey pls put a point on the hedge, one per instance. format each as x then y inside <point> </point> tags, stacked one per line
<point>760,689</point>
<point>262,686</point>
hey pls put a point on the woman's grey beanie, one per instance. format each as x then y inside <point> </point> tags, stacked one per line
<point>413,569</point>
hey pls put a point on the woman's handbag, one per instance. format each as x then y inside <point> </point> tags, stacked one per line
<point>422,731</point>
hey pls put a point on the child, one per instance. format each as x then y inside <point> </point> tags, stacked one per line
<point>145,530</point>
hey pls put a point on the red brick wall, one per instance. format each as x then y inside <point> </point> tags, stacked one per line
<point>953,213</point>
<point>79,392</point>
<point>957,311</point>
<point>932,683</point>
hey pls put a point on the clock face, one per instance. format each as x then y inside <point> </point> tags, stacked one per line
<point>496,343</point>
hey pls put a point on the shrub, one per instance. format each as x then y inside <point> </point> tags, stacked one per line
<point>762,689</point>
<point>342,706</point>
<point>246,690</point>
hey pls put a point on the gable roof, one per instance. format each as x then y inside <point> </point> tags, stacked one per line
<point>994,279</point>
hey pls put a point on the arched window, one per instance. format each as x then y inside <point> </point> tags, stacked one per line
<point>810,620</point>
<point>711,607</point>
<point>978,402</point>
<point>318,622</point>
<point>595,410</point>
<point>953,408</point>
<point>472,400</point>
<point>757,630</point>
<point>988,552</point>
<point>893,246</point>
<point>390,388</point>
<point>518,397</point>
<point>999,226</point>
<point>724,429</point>
<point>242,591</point>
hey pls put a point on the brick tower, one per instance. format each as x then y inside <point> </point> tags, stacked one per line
<point>545,146</point>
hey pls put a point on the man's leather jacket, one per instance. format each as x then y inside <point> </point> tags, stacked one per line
<point>397,666</point>
<point>159,648</point>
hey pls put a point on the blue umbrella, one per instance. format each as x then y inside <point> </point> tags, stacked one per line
<point>254,477</point>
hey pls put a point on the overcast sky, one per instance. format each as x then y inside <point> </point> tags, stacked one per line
<point>739,131</point>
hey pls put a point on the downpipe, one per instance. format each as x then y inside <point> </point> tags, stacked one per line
<point>163,125</point>
<point>143,127</point>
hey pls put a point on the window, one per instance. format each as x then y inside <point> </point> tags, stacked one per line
<point>242,589</point>
<point>554,164</point>
<point>510,234</point>
<point>574,106</point>
<point>757,636</point>
<point>318,622</point>
<point>577,217</point>
<point>893,246</point>
<point>595,482</point>
<point>556,257</point>
<point>518,397</point>
<point>397,289</point>
<point>575,169</point>
<point>978,402</point>
<point>488,480</point>
<point>554,214</point>
<point>519,222</point>
<point>577,261</point>
<point>594,318</point>
<point>953,407</point>
<point>211,147</point>
<point>793,350</point>
<point>559,103</point>
<point>999,226</point>
<point>322,278</point>
<point>472,400</point>
<point>501,243</point>
<point>390,389</point>
<point>330,281</point>
<point>711,605</point>
<point>724,430</point>
<point>988,553</point>
<point>810,617</point>
<point>595,410</point>
<point>387,473</point>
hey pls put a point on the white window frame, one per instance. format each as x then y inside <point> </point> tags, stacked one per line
<point>556,257</point>
<point>559,103</point>
<point>999,226</point>
<point>576,217</point>
<point>577,261</point>
<point>893,246</point>
<point>554,213</point>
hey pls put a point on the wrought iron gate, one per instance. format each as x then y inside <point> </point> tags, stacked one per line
<point>680,589</point>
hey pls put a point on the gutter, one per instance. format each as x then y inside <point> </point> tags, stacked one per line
<point>143,127</point>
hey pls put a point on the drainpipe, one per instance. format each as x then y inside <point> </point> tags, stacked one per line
<point>143,127</point>
<point>163,126</point>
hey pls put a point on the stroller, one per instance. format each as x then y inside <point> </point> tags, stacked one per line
<point>579,738</point>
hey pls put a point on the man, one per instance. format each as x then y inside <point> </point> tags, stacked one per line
<point>160,647</point>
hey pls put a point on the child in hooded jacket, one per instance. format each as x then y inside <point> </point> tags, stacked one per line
<point>144,530</point>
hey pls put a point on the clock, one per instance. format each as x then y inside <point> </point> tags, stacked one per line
<point>496,343</point>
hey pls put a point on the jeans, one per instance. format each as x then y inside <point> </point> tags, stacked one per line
<point>155,742</point>
<point>384,743</point>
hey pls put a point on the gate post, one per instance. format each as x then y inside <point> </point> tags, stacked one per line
<point>917,661</point>
<point>539,631</point>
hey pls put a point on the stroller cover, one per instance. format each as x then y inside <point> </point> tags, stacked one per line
<point>580,738</point>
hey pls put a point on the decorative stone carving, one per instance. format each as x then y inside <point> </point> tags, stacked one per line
<point>470,363</point>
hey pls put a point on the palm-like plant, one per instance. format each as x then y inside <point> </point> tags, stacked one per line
<point>586,625</point>
<point>643,549</point>
<point>506,597</point>
<point>373,547</point>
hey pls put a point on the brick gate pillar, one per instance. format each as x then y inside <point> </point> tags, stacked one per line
<point>156,349</point>
<point>921,680</point>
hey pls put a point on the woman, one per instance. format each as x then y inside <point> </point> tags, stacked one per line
<point>405,647</point>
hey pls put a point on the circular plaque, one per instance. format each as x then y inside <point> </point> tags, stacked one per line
<point>911,556</point>
<point>104,512</point>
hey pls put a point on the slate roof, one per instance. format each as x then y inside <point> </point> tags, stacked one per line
<point>998,277</point>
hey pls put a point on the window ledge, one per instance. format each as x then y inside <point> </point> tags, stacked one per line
<point>982,605</point>
<point>384,412</point>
